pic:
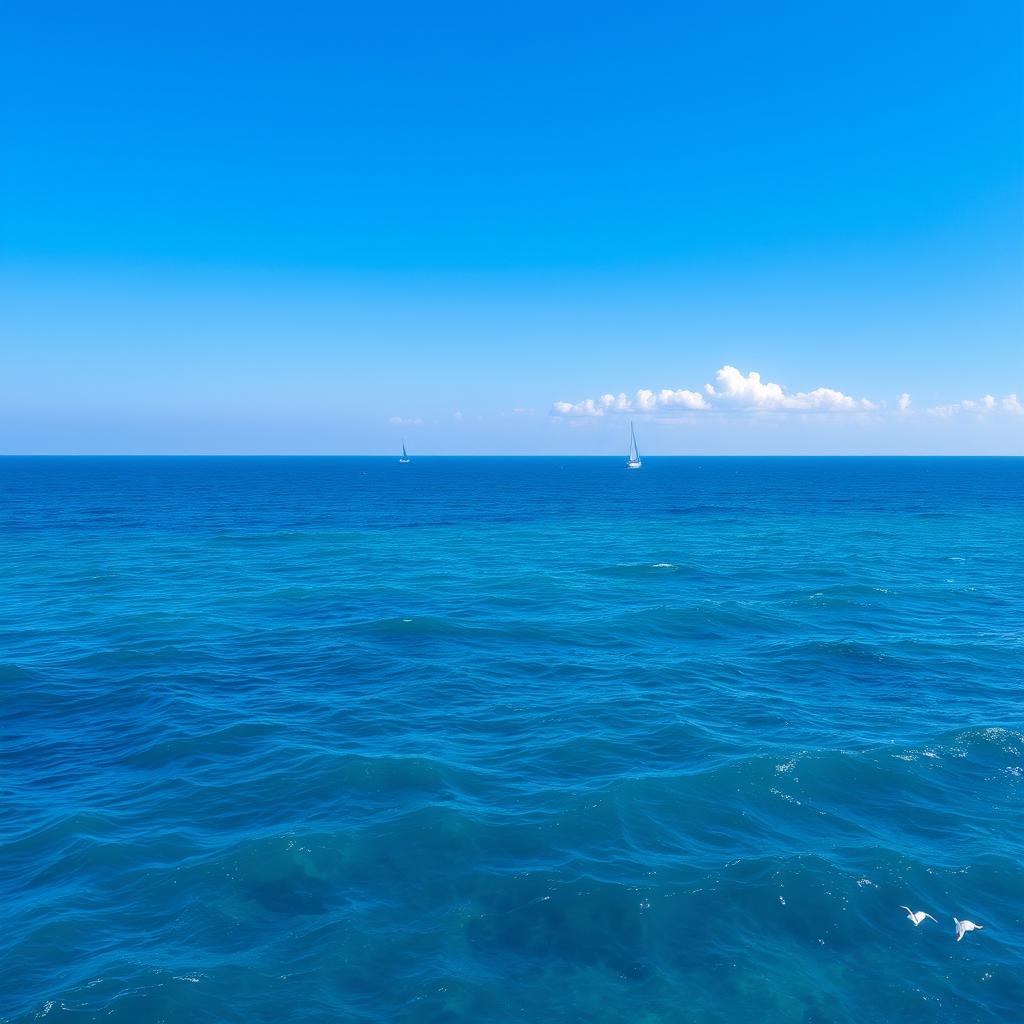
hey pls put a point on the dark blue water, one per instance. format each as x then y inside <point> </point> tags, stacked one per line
<point>499,740</point>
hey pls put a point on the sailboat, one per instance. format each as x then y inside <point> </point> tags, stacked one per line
<point>405,454</point>
<point>633,459</point>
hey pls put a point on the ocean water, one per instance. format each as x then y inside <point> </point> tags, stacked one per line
<point>496,740</point>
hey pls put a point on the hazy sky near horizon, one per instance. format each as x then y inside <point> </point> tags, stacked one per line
<point>313,227</point>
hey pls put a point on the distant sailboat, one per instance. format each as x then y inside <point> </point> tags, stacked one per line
<point>405,454</point>
<point>633,459</point>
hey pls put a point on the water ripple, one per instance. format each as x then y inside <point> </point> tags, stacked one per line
<point>511,740</point>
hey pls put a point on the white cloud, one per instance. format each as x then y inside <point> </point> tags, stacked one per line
<point>981,407</point>
<point>668,399</point>
<point>744,394</point>
<point>750,392</point>
<point>457,416</point>
<point>586,408</point>
<point>593,407</point>
<point>643,401</point>
<point>398,421</point>
<point>734,391</point>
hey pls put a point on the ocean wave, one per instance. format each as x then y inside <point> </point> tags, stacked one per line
<point>290,744</point>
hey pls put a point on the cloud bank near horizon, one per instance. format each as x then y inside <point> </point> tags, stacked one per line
<point>732,391</point>
<point>738,393</point>
<point>984,406</point>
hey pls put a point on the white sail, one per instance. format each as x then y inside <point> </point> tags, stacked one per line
<point>633,458</point>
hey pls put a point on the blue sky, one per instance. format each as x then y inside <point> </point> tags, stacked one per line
<point>321,227</point>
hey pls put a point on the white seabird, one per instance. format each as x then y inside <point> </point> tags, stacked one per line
<point>963,927</point>
<point>917,916</point>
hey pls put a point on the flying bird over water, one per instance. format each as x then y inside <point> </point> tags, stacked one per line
<point>963,927</point>
<point>917,916</point>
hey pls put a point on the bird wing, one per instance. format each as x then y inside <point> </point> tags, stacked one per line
<point>907,909</point>
<point>931,918</point>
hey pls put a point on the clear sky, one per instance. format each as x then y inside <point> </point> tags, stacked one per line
<point>318,227</point>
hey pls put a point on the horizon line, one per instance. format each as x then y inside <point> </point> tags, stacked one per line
<point>493,455</point>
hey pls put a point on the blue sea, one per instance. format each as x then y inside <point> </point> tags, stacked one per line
<point>511,740</point>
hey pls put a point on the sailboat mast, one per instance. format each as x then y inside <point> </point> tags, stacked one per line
<point>633,459</point>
